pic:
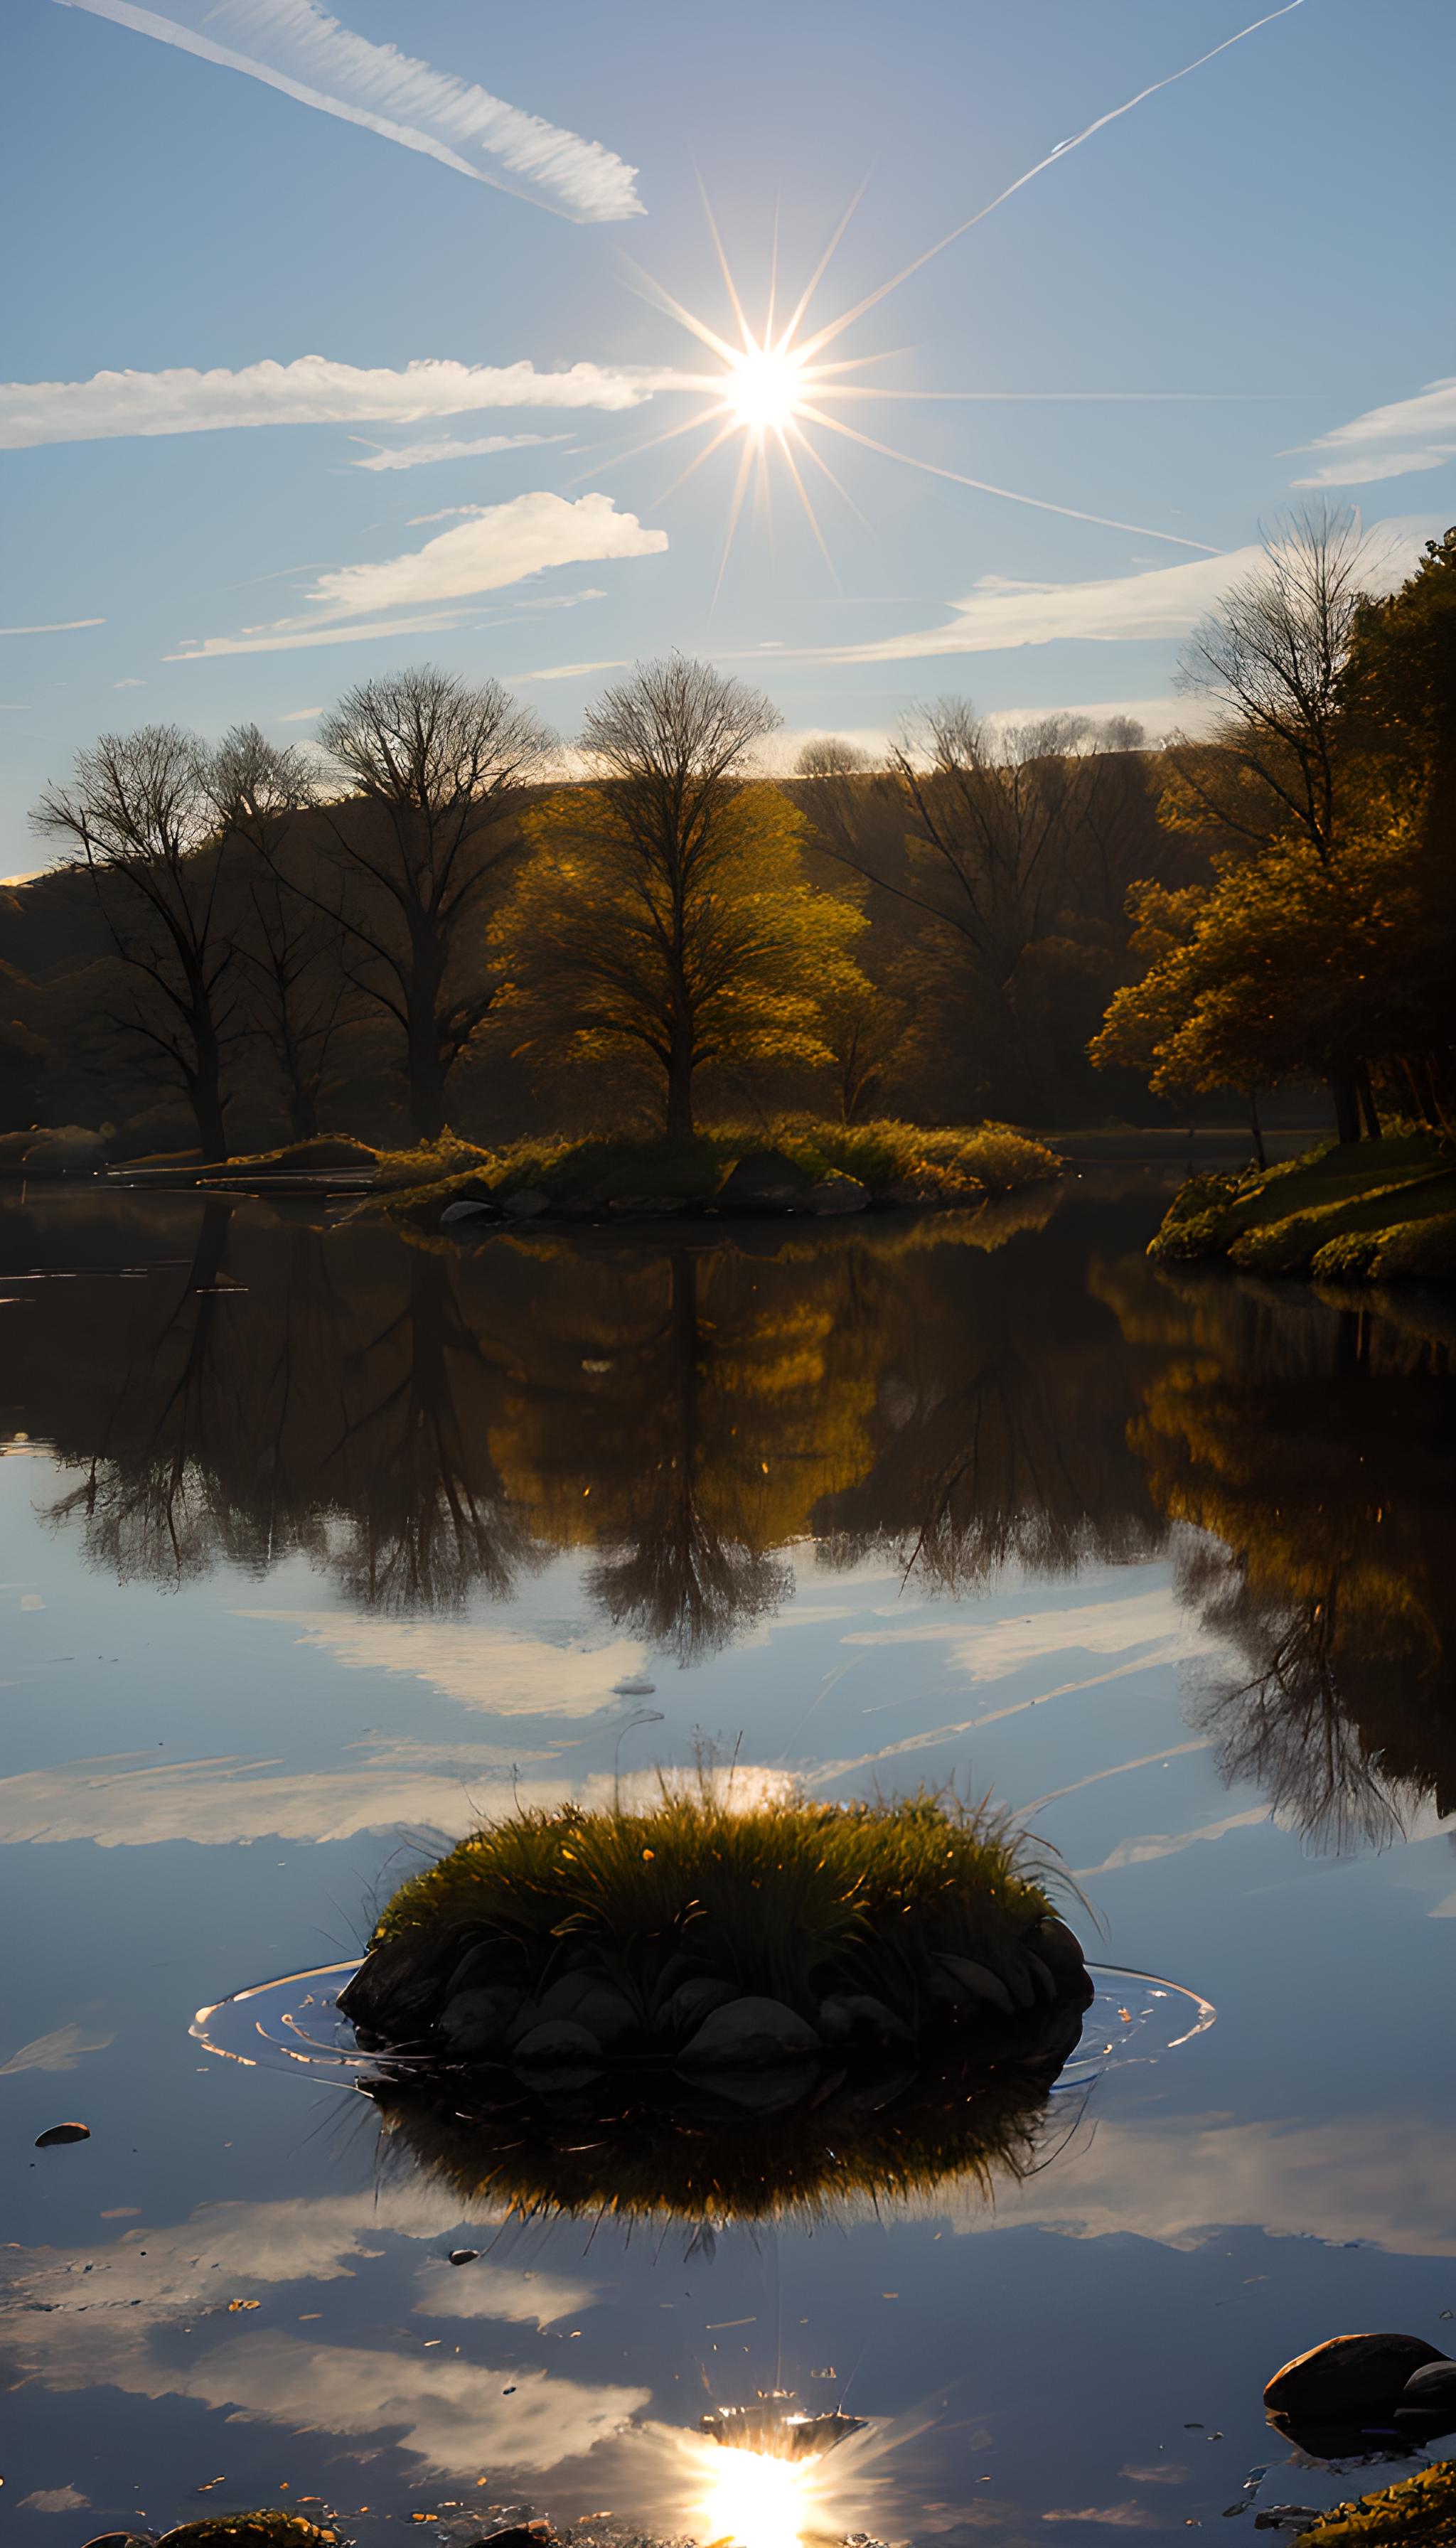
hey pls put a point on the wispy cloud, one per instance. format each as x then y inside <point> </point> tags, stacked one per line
<point>499,546</point>
<point>48,628</point>
<point>311,390</point>
<point>293,45</point>
<point>421,455</point>
<point>299,716</point>
<point>1389,441</point>
<point>1166,601</point>
<point>61,2050</point>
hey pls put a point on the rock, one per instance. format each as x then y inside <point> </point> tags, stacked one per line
<point>1348,2376</point>
<point>1058,1947</point>
<point>764,2092</point>
<point>121,2539</point>
<point>979,1981</point>
<point>61,2133</point>
<point>524,2534</point>
<point>1430,2395</point>
<point>525,1204</point>
<point>469,1207</point>
<point>479,1968</point>
<point>464,2256</point>
<point>748,2033</point>
<point>692,2001</point>
<point>400,1980</point>
<point>762,1181</point>
<point>474,2022</point>
<point>555,2043</point>
<point>585,1999</point>
<point>846,2017</point>
<point>835,1194</point>
<point>1041,1973</point>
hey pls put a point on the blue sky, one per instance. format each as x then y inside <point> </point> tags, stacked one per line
<point>1264,243</point>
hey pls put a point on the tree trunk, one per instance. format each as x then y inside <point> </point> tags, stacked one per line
<point>1346,1106</point>
<point>1368,1107</point>
<point>679,1100</point>
<point>207,1107</point>
<point>303,1113</point>
<point>1256,1127</point>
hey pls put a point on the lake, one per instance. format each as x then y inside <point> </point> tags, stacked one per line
<point>318,1546</point>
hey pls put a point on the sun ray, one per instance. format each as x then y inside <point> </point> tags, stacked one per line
<point>774,383</point>
<point>803,496</point>
<point>745,464</point>
<point>1075,141</point>
<point>983,487</point>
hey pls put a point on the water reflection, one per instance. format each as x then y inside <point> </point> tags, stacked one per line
<point>425,1427</point>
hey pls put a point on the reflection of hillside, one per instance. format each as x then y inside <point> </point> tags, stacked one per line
<point>1315,1452</point>
<point>422,1424</point>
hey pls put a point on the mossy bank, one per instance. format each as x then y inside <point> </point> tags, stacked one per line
<point>1361,1212</point>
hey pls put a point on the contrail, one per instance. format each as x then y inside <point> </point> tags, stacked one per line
<point>1074,142</point>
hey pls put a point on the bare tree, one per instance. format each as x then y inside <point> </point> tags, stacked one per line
<point>983,830</point>
<point>434,768</point>
<point>290,948</point>
<point>1271,659</point>
<point>660,932</point>
<point>138,815</point>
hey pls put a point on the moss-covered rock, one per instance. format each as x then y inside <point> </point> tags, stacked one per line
<point>1370,1210</point>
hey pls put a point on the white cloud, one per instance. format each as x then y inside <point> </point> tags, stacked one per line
<point>1378,2179</point>
<point>60,2051</point>
<point>299,716</point>
<point>503,1670</point>
<point>562,600</point>
<point>501,545</point>
<point>1155,1620</point>
<point>1166,602</point>
<point>311,390</point>
<point>43,627</point>
<point>418,455</point>
<point>294,47</point>
<point>133,682</point>
<point>1392,441</point>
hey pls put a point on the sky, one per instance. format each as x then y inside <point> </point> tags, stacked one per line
<point>332,343</point>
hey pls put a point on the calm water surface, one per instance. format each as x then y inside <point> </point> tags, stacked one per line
<point>316,1546</point>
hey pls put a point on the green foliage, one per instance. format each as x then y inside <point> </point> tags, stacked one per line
<point>763,1897</point>
<point>954,1164</point>
<point>1368,1209</point>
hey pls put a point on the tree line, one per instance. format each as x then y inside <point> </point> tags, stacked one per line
<point>424,913</point>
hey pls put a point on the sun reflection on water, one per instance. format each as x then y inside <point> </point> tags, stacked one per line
<point>761,2499</point>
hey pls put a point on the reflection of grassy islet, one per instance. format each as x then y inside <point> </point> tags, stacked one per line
<point>693,2010</point>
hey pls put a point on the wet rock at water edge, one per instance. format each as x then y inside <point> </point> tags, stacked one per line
<point>834,1195</point>
<point>762,1181</point>
<point>1428,2400</point>
<point>1349,2379</point>
<point>748,2033</point>
<point>463,2255</point>
<point>526,1203</point>
<point>469,1207</point>
<point>58,2134</point>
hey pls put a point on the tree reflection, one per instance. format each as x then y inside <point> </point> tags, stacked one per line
<point>1323,1496</point>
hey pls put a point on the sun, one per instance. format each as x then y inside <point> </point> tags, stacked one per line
<point>765,388</point>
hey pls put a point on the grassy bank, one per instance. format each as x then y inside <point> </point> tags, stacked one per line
<point>897,1164</point>
<point>1365,1212</point>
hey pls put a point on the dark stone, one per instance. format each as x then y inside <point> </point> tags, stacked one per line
<point>469,1207</point>
<point>61,2133</point>
<point>526,1203</point>
<point>1349,2379</point>
<point>762,1181</point>
<point>464,2256</point>
<point>402,1978</point>
<point>836,1194</point>
<point>1432,2391</point>
<point>120,2539</point>
<point>525,2534</point>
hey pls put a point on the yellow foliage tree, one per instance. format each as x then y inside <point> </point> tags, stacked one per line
<point>662,917</point>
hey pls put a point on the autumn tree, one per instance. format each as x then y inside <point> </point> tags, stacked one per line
<point>419,834</point>
<point>662,918</point>
<point>138,815</point>
<point>1000,838</point>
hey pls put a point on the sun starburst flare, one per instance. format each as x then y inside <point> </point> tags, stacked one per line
<point>773,384</point>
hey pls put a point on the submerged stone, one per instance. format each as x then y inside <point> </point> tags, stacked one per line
<point>748,2034</point>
